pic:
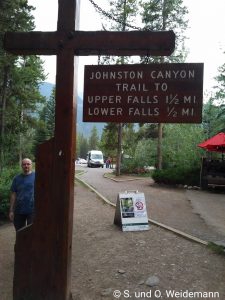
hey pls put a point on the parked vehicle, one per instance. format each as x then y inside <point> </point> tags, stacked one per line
<point>81,161</point>
<point>95,159</point>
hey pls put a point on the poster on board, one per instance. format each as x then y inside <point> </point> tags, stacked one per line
<point>131,213</point>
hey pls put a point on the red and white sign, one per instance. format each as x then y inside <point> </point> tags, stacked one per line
<point>131,213</point>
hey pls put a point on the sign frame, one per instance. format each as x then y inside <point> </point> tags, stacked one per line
<point>151,93</point>
<point>131,213</point>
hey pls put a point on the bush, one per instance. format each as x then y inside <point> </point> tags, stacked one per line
<point>177,175</point>
<point>132,166</point>
<point>128,166</point>
<point>6,177</point>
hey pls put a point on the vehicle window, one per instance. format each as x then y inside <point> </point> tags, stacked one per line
<point>96,156</point>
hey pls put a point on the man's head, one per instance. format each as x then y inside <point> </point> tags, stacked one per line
<point>26,166</point>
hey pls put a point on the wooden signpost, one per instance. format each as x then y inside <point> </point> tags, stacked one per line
<point>43,250</point>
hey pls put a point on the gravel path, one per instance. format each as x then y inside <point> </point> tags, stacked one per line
<point>106,260</point>
<point>185,210</point>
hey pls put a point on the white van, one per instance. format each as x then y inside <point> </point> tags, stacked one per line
<point>95,159</point>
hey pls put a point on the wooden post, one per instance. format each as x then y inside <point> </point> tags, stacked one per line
<point>43,250</point>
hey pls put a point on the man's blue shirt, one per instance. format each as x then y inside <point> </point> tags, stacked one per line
<point>23,186</point>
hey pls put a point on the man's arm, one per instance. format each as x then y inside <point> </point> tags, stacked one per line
<point>12,204</point>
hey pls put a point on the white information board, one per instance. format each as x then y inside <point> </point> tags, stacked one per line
<point>131,213</point>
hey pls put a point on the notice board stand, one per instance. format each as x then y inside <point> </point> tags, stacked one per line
<point>131,213</point>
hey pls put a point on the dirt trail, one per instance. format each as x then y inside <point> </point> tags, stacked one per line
<point>106,259</point>
<point>194,212</point>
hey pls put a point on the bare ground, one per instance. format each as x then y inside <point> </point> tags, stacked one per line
<point>105,259</point>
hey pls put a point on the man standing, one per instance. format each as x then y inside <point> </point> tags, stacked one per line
<point>22,196</point>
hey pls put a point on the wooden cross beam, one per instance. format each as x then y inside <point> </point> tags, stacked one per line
<point>43,250</point>
<point>84,43</point>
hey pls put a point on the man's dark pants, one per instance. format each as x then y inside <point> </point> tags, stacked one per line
<point>22,220</point>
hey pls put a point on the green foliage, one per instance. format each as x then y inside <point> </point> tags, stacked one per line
<point>178,175</point>
<point>180,145</point>
<point>220,87</point>
<point>19,90</point>
<point>181,156</point>
<point>166,15</point>
<point>46,121</point>
<point>82,146</point>
<point>6,177</point>
<point>50,115</point>
<point>147,131</point>
<point>214,116</point>
<point>18,111</point>
<point>145,153</point>
<point>210,120</point>
<point>109,140</point>
<point>16,16</point>
<point>94,139</point>
<point>217,102</point>
<point>218,249</point>
<point>129,139</point>
<point>128,166</point>
<point>125,12</point>
<point>133,166</point>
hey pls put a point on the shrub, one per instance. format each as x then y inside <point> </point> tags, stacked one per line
<point>177,175</point>
<point>145,153</point>
<point>6,177</point>
<point>128,166</point>
<point>132,166</point>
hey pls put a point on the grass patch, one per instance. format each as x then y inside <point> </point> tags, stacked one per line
<point>218,249</point>
<point>146,174</point>
<point>79,172</point>
<point>110,175</point>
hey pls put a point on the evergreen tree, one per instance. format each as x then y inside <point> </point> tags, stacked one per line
<point>50,115</point>
<point>82,146</point>
<point>220,87</point>
<point>165,15</point>
<point>19,86</point>
<point>220,98</point>
<point>182,151</point>
<point>124,12</point>
<point>210,120</point>
<point>94,139</point>
<point>46,121</point>
<point>108,143</point>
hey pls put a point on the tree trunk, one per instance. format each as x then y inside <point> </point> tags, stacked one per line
<point>159,146</point>
<point>160,125</point>
<point>120,125</point>
<point>20,137</point>
<point>2,115</point>
<point>119,149</point>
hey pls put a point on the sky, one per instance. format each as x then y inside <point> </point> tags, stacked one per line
<point>206,38</point>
